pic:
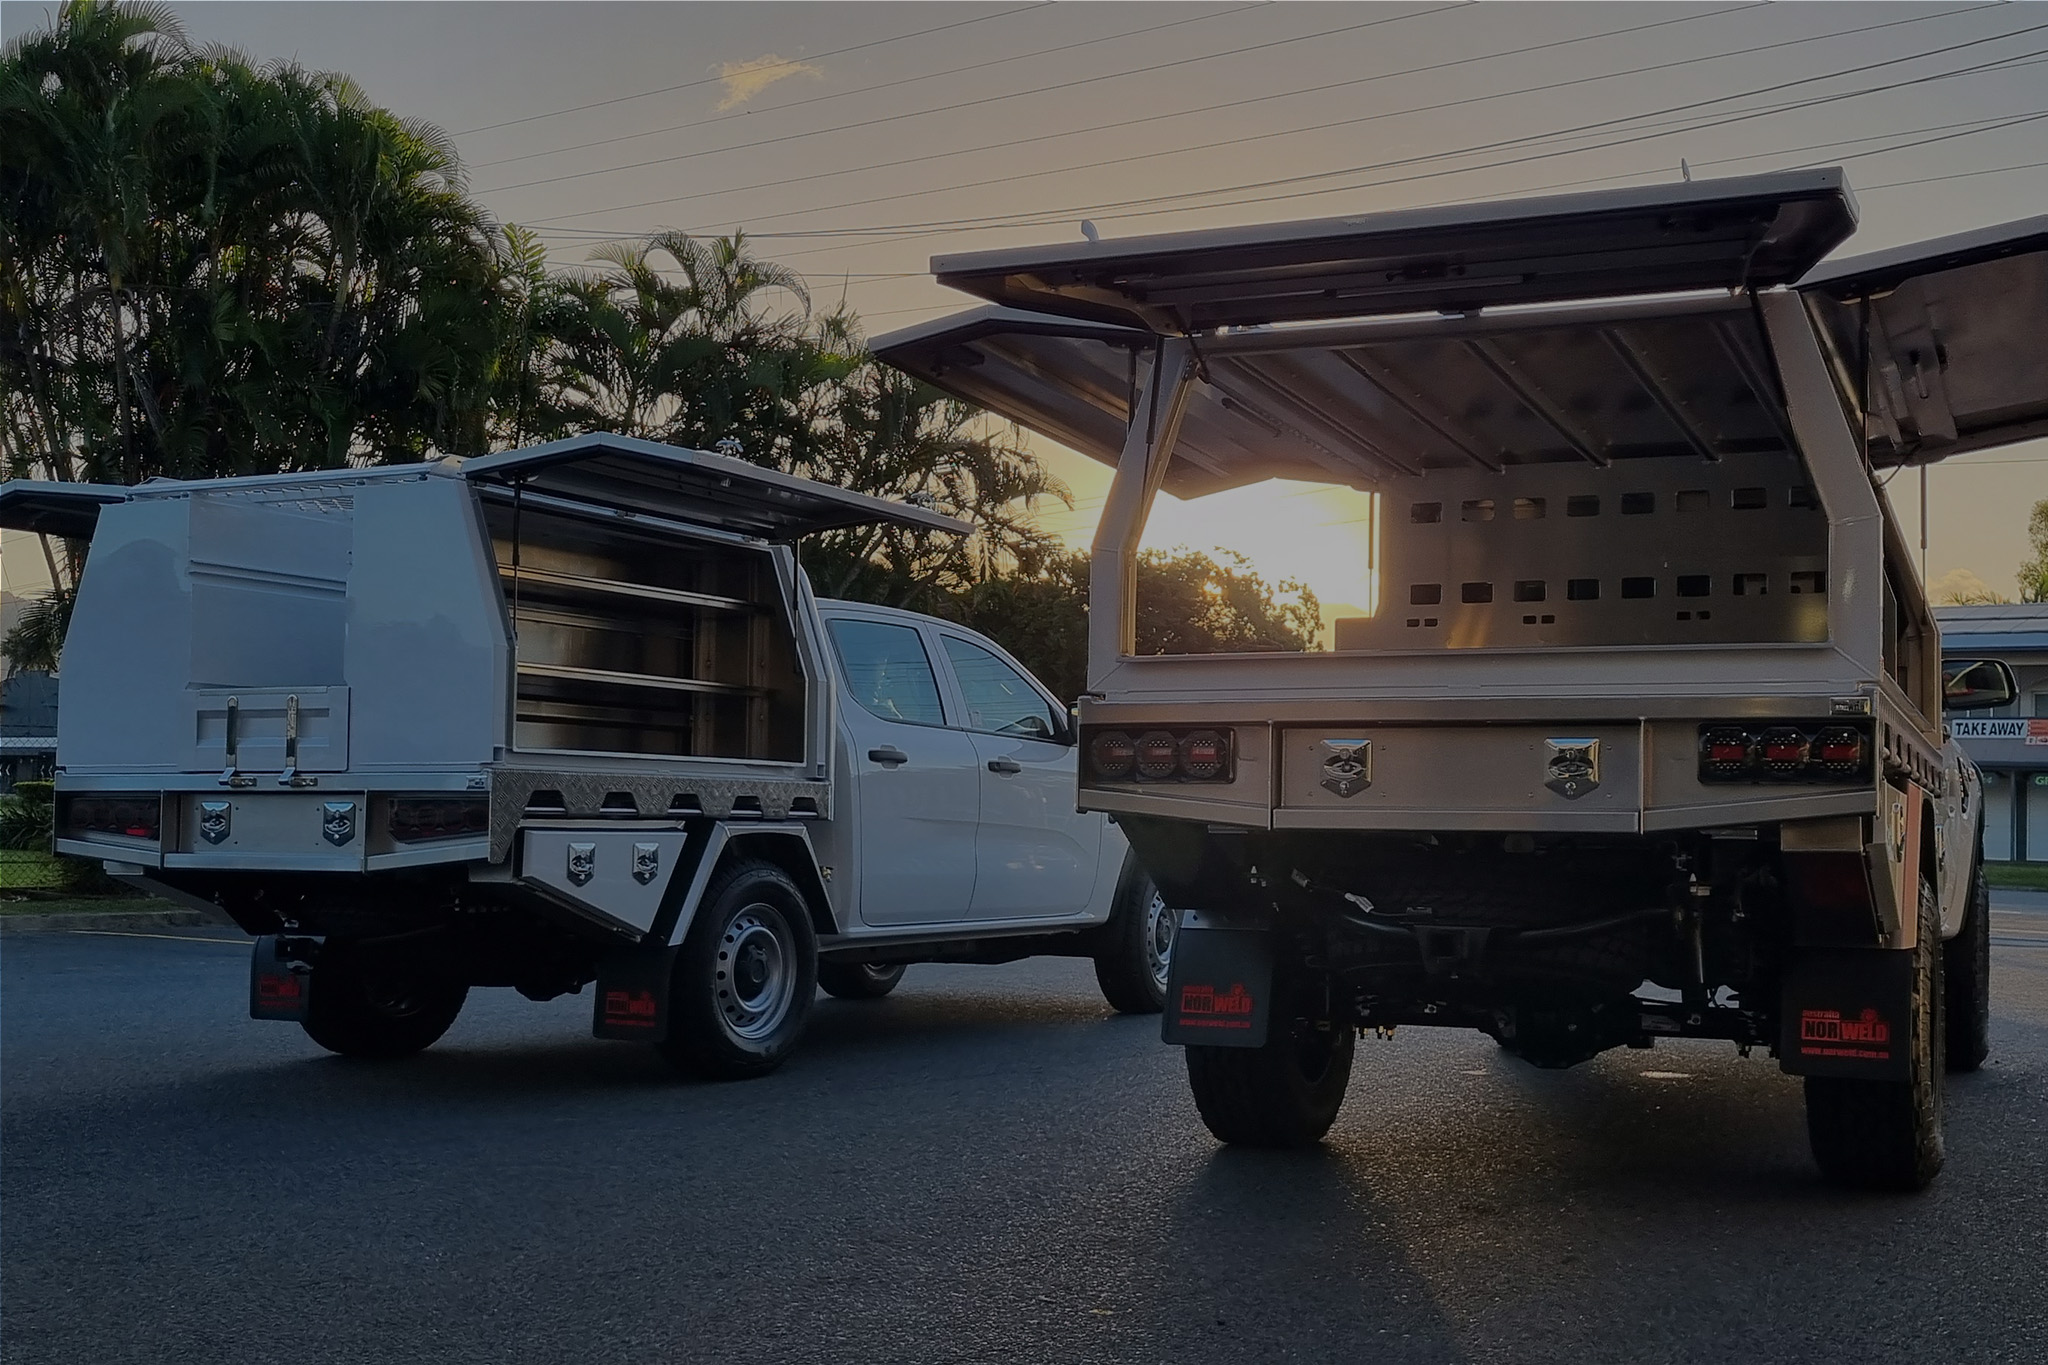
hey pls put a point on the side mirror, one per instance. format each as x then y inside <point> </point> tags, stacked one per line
<point>1975,684</point>
<point>1070,727</point>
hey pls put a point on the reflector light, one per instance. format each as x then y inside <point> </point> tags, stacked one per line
<point>417,819</point>
<point>1805,752</point>
<point>1158,756</point>
<point>131,817</point>
<point>1204,755</point>
<point>1112,754</point>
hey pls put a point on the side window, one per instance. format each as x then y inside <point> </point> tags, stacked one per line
<point>888,671</point>
<point>998,697</point>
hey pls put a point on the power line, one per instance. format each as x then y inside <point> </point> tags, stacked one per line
<point>713,80</point>
<point>1956,175</point>
<point>977,103</point>
<point>1211,146</point>
<point>1098,210</point>
<point>1122,124</point>
<point>886,85</point>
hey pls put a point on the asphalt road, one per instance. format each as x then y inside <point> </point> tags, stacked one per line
<point>986,1167</point>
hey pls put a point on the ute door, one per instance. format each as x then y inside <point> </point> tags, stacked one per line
<point>919,780</point>
<point>1947,339</point>
<point>1035,855</point>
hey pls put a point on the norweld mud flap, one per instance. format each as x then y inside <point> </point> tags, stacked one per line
<point>1846,1013</point>
<point>279,986</point>
<point>1219,987</point>
<point>632,996</point>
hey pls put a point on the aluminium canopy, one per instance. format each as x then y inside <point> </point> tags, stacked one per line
<point>627,474</point>
<point>1638,370</point>
<point>1719,234</point>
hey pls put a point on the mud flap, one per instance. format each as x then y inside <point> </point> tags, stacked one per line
<point>280,979</point>
<point>632,996</point>
<point>1846,1012</point>
<point>1219,989</point>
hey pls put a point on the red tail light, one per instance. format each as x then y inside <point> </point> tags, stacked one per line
<point>418,819</point>
<point>1784,753</point>
<point>1161,756</point>
<point>131,817</point>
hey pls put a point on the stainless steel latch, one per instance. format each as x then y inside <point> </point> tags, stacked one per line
<point>291,776</point>
<point>231,776</point>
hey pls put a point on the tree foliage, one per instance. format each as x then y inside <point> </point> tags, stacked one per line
<point>215,267</point>
<point>2034,572</point>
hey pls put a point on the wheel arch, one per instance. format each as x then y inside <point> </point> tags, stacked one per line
<point>787,847</point>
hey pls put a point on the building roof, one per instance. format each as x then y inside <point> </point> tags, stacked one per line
<point>1995,627</point>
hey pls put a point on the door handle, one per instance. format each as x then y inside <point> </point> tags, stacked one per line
<point>888,756</point>
<point>1005,765</point>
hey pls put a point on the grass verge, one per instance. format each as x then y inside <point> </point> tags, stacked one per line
<point>86,905</point>
<point>2017,876</point>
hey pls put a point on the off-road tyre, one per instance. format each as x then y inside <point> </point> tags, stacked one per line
<point>1966,962</point>
<point>1887,1135</point>
<point>1136,954</point>
<point>743,983</point>
<point>1285,1094</point>
<point>377,1012</point>
<point>858,980</point>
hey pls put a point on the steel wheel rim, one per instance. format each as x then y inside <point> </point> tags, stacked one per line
<point>755,978</point>
<point>1159,930</point>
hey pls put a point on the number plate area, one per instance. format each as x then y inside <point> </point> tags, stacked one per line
<point>1512,777</point>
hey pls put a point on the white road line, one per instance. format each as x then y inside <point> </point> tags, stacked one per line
<point>172,938</point>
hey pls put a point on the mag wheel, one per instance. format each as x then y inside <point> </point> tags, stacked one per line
<point>1285,1094</point>
<point>1886,1135</point>
<point>745,978</point>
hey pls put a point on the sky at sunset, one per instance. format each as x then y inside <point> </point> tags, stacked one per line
<point>856,141</point>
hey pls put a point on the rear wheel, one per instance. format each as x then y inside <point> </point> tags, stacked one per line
<point>859,980</point>
<point>1966,963</point>
<point>1137,949</point>
<point>361,1008</point>
<point>745,977</point>
<point>1887,1135</point>
<point>1285,1094</point>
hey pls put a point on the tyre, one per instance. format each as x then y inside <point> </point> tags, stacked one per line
<point>1285,1094</point>
<point>360,1008</point>
<point>1886,1135</point>
<point>1137,949</point>
<point>1966,963</point>
<point>859,980</point>
<point>745,978</point>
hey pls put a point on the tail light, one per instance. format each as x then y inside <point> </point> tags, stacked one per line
<point>1112,754</point>
<point>1158,756</point>
<point>1161,756</point>
<point>131,817</point>
<point>419,819</point>
<point>1784,753</point>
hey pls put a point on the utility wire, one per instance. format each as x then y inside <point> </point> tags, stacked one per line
<point>885,85</point>
<point>1099,210</point>
<point>982,101</point>
<point>756,221</point>
<point>1126,123</point>
<point>714,80</point>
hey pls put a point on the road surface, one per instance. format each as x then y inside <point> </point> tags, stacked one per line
<point>988,1166</point>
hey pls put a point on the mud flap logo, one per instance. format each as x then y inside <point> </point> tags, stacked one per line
<point>631,1009</point>
<point>1203,1006</point>
<point>1829,1033</point>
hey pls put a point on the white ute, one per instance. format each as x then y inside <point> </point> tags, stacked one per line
<point>556,716</point>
